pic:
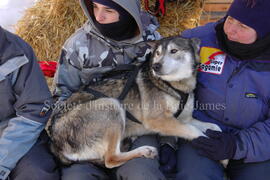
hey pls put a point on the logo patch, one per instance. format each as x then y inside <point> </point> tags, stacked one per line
<point>212,60</point>
<point>250,95</point>
<point>44,110</point>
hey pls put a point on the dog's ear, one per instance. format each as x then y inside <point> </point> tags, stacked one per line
<point>151,44</point>
<point>196,46</point>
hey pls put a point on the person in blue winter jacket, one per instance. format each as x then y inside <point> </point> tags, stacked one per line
<point>25,102</point>
<point>233,91</point>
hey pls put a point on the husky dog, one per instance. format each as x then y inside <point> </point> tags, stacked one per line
<point>92,130</point>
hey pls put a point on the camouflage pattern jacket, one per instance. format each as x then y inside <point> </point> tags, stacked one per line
<point>87,51</point>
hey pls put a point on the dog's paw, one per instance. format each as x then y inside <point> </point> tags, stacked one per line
<point>203,126</point>
<point>211,126</point>
<point>148,151</point>
<point>194,132</point>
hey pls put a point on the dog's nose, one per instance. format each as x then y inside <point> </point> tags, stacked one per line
<point>156,67</point>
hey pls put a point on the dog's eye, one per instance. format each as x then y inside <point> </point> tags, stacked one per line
<point>157,53</point>
<point>174,51</point>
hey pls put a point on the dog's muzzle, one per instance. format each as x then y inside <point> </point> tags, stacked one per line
<point>156,67</point>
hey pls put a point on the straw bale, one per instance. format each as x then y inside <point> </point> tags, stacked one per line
<point>48,24</point>
<point>180,15</point>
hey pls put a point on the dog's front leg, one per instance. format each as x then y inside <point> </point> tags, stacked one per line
<point>203,126</point>
<point>170,126</point>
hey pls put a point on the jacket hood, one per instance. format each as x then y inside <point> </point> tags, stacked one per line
<point>8,49</point>
<point>131,6</point>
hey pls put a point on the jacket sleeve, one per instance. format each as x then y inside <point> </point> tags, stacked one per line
<point>32,107</point>
<point>67,79</point>
<point>253,143</point>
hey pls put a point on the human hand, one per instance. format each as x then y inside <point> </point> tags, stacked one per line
<point>217,146</point>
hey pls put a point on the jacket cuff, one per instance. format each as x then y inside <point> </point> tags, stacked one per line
<point>241,151</point>
<point>4,172</point>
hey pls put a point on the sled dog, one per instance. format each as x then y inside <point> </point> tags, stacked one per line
<point>161,99</point>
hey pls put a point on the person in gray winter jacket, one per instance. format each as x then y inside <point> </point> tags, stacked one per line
<point>106,39</point>
<point>24,110</point>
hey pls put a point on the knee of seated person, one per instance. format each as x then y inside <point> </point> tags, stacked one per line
<point>78,175</point>
<point>188,176</point>
<point>193,174</point>
<point>136,169</point>
<point>32,172</point>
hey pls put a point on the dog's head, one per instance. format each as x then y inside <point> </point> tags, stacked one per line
<point>175,58</point>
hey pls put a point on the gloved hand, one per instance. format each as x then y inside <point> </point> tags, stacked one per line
<point>167,158</point>
<point>217,146</point>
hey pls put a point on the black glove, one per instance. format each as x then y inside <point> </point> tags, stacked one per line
<point>167,157</point>
<point>217,146</point>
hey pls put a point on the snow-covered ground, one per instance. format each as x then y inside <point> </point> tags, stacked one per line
<point>11,11</point>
